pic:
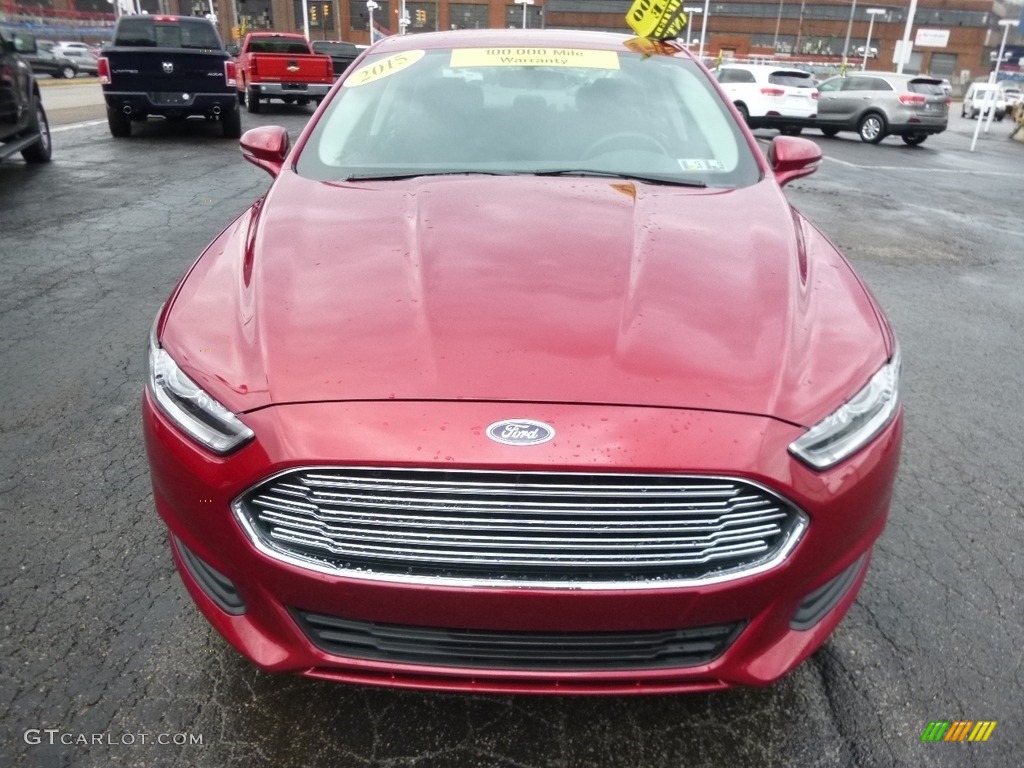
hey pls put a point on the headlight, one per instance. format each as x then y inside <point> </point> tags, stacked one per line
<point>853,425</point>
<point>187,405</point>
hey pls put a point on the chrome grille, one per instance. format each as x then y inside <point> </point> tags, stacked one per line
<point>504,527</point>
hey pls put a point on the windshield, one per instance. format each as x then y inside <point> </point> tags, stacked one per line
<point>555,111</point>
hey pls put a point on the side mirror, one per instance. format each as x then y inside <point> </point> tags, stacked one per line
<point>231,49</point>
<point>792,158</point>
<point>266,147</point>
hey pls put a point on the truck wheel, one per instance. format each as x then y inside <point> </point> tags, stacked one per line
<point>303,102</point>
<point>120,125</point>
<point>252,101</point>
<point>231,123</point>
<point>40,151</point>
<point>241,98</point>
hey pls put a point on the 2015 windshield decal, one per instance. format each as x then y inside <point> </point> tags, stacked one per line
<point>385,67</point>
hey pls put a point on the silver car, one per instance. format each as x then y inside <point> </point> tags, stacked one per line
<point>880,104</point>
<point>83,58</point>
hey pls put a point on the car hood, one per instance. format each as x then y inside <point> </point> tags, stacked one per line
<point>526,289</point>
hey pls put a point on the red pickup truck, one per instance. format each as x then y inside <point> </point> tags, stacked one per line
<point>281,65</point>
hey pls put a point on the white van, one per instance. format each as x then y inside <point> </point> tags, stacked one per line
<point>982,96</point>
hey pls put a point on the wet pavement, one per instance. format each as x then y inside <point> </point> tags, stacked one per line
<point>100,643</point>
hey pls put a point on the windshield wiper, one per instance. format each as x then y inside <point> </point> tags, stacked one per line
<point>628,176</point>
<point>416,174</point>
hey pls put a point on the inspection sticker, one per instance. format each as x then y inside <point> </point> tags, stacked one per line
<point>701,165</point>
<point>534,57</point>
<point>383,68</point>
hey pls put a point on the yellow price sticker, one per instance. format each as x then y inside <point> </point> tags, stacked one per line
<point>657,19</point>
<point>534,57</point>
<point>383,68</point>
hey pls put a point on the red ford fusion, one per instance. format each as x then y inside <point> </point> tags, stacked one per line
<point>524,376</point>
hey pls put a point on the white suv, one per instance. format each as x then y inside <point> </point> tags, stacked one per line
<point>771,96</point>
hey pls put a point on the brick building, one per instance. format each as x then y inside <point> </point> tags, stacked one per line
<point>959,43</point>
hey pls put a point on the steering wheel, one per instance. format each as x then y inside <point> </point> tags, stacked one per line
<point>623,140</point>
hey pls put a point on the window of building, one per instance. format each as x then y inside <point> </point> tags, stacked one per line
<point>514,16</point>
<point>359,17</point>
<point>468,15</point>
<point>321,15</point>
<point>943,64</point>
<point>422,17</point>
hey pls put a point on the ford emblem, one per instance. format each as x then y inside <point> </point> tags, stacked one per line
<point>520,432</point>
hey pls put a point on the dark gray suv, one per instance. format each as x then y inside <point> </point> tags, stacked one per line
<point>880,104</point>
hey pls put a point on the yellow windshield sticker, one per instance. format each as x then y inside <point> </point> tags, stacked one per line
<point>657,19</point>
<point>383,68</point>
<point>534,57</point>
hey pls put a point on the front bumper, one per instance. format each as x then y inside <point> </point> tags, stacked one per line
<point>766,622</point>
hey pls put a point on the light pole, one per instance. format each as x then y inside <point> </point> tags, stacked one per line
<point>690,10</point>
<point>799,29</point>
<point>849,28</point>
<point>524,3</point>
<point>371,7</point>
<point>905,42</point>
<point>870,29</point>
<point>703,28</point>
<point>990,96</point>
<point>778,23</point>
<point>1005,24</point>
<point>305,18</point>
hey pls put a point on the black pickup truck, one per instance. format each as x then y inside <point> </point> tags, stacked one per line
<point>23,124</point>
<point>173,67</point>
<point>342,53</point>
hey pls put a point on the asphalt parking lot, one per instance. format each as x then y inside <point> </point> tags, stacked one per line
<point>100,643</point>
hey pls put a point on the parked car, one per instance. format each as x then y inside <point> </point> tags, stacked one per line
<point>83,59</point>
<point>23,124</point>
<point>281,65</point>
<point>1012,96</point>
<point>342,53</point>
<point>47,59</point>
<point>172,67</point>
<point>770,96</point>
<point>880,104</point>
<point>72,47</point>
<point>980,98</point>
<point>642,441</point>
